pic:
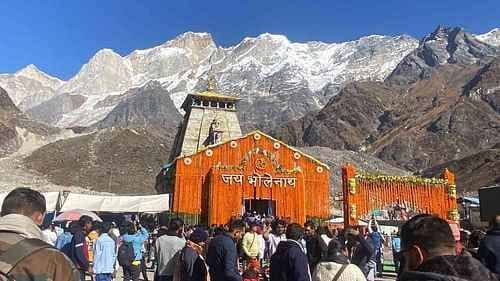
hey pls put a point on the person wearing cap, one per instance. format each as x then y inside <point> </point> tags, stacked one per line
<point>192,266</point>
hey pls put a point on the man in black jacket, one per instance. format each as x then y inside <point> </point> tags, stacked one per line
<point>312,244</point>
<point>361,250</point>
<point>222,257</point>
<point>290,263</point>
<point>428,252</point>
<point>489,249</point>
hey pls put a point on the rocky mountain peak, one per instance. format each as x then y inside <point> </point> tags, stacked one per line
<point>32,72</point>
<point>102,57</point>
<point>446,45</point>
<point>277,38</point>
<point>453,45</point>
<point>442,32</point>
<point>191,40</point>
<point>185,52</point>
<point>148,106</point>
<point>29,86</point>
<point>106,71</point>
<point>29,71</point>
<point>263,44</point>
<point>150,85</point>
<point>6,103</point>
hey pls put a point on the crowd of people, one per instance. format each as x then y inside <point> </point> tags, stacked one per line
<point>248,249</point>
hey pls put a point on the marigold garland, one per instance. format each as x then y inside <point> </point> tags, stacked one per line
<point>410,179</point>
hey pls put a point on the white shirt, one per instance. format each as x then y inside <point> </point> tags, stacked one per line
<point>49,236</point>
<point>262,244</point>
<point>274,240</point>
<point>324,241</point>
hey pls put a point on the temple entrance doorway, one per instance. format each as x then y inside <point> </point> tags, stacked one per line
<point>260,206</point>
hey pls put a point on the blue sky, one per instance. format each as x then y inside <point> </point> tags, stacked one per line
<point>60,35</point>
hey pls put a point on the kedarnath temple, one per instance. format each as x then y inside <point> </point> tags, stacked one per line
<point>215,172</point>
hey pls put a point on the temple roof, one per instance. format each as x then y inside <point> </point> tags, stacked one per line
<point>209,94</point>
<point>251,134</point>
<point>214,95</point>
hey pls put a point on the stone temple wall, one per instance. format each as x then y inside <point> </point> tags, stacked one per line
<point>197,127</point>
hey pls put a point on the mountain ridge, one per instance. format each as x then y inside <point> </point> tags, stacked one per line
<point>313,71</point>
<point>486,37</point>
<point>184,62</point>
<point>450,114</point>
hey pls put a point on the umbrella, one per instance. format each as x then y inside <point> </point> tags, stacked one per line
<point>74,215</point>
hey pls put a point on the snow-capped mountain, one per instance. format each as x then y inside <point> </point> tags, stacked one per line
<point>492,37</point>
<point>29,86</point>
<point>106,71</point>
<point>268,68</point>
<point>186,52</point>
<point>32,72</point>
<point>277,79</point>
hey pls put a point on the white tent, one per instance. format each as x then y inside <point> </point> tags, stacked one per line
<point>117,204</point>
<point>341,220</point>
<point>51,199</point>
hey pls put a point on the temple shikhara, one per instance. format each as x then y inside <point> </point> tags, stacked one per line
<point>216,173</point>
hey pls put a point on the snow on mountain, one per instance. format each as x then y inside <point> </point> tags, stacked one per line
<point>183,53</point>
<point>491,37</point>
<point>106,72</point>
<point>29,86</point>
<point>319,63</point>
<point>268,69</point>
<point>281,80</point>
<point>31,71</point>
<point>89,112</point>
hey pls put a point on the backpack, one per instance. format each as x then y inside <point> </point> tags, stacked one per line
<point>16,253</point>
<point>126,254</point>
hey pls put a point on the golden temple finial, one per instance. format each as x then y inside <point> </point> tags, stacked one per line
<point>211,84</point>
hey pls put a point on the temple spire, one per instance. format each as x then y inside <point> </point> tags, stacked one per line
<point>211,84</point>
<point>210,118</point>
